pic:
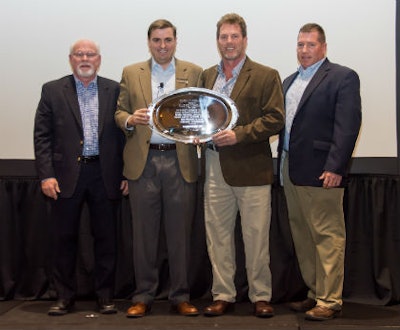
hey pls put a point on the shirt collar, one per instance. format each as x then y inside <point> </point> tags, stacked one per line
<point>158,68</point>
<point>78,82</point>
<point>310,71</point>
<point>235,70</point>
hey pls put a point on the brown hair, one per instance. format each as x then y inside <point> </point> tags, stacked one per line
<point>160,24</point>
<point>232,18</point>
<point>310,27</point>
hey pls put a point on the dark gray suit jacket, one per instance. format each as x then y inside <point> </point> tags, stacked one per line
<point>58,135</point>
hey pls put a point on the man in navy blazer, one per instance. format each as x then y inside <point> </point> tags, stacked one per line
<point>78,151</point>
<point>323,118</point>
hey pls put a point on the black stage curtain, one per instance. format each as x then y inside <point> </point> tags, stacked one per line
<point>372,269</point>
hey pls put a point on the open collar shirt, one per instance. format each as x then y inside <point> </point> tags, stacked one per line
<point>294,95</point>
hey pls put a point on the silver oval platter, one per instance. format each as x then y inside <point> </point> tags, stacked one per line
<point>192,112</point>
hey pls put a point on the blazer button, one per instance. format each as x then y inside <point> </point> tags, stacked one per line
<point>79,158</point>
<point>81,142</point>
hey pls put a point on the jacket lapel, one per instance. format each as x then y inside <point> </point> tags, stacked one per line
<point>244,76</point>
<point>145,82</point>
<point>211,78</point>
<point>103,91</point>
<point>181,75</point>
<point>288,82</point>
<point>242,79</point>
<point>315,81</point>
<point>72,99</point>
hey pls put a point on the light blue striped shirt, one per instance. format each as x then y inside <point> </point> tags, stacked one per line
<point>88,99</point>
<point>162,82</point>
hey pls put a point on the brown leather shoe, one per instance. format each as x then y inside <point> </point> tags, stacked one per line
<point>263,309</point>
<point>138,309</point>
<point>302,306</point>
<point>186,309</point>
<point>322,313</point>
<point>217,308</point>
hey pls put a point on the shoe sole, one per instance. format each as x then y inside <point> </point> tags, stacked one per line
<point>175,311</point>
<point>189,314</point>
<point>228,310</point>
<point>316,318</point>
<point>213,314</point>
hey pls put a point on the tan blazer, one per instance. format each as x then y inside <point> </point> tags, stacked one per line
<point>136,94</point>
<point>259,99</point>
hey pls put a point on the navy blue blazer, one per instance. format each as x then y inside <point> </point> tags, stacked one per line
<point>326,124</point>
<point>58,135</point>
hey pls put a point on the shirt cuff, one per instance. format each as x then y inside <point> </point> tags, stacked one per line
<point>129,128</point>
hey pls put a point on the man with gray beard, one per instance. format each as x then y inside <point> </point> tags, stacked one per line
<point>78,150</point>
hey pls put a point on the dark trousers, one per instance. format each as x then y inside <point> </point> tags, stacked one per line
<point>161,195</point>
<point>66,223</point>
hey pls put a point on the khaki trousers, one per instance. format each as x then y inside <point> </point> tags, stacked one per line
<point>318,230</point>
<point>222,203</point>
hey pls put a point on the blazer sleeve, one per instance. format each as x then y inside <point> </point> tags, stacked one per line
<point>43,136</point>
<point>346,124</point>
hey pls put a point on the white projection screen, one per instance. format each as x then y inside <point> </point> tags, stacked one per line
<point>36,35</point>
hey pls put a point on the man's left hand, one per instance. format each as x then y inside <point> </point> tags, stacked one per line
<point>124,187</point>
<point>331,180</point>
<point>225,138</point>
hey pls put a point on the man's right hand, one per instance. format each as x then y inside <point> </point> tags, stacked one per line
<point>50,188</point>
<point>139,117</point>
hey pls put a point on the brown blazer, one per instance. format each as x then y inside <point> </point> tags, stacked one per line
<point>259,99</point>
<point>136,94</point>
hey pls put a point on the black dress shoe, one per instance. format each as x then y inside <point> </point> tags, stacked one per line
<point>106,306</point>
<point>61,307</point>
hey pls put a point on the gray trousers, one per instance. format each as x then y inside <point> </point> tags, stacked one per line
<point>161,196</point>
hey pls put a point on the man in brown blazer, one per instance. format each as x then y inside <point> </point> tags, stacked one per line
<point>239,170</point>
<point>161,174</point>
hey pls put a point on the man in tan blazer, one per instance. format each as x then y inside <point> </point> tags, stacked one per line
<point>161,174</point>
<point>239,170</point>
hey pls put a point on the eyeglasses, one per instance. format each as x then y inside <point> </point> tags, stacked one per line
<point>88,55</point>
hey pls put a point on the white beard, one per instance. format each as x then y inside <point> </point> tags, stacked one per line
<point>86,73</point>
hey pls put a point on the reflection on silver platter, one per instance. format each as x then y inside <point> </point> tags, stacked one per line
<point>192,112</point>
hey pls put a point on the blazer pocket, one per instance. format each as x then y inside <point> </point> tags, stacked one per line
<point>322,145</point>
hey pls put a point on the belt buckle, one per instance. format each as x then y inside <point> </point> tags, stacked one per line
<point>87,159</point>
<point>163,147</point>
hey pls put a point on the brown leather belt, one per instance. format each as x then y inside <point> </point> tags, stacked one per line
<point>163,146</point>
